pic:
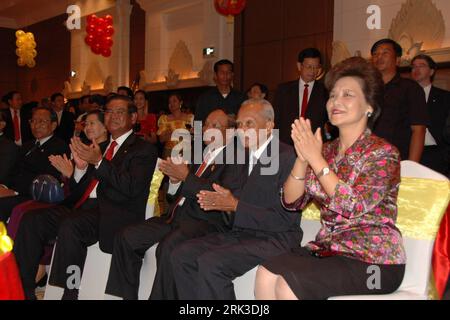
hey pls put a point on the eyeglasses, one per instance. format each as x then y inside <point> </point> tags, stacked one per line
<point>419,67</point>
<point>39,121</point>
<point>120,112</point>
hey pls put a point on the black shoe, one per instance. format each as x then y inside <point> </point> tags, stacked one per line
<point>70,294</point>
<point>43,282</point>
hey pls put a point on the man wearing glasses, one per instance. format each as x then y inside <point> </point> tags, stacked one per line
<point>33,160</point>
<point>305,97</point>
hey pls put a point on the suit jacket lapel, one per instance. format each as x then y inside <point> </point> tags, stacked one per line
<point>123,150</point>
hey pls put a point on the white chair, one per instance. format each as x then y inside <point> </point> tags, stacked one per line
<point>419,249</point>
<point>96,267</point>
<point>415,282</point>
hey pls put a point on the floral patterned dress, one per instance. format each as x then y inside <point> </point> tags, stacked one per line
<point>359,220</point>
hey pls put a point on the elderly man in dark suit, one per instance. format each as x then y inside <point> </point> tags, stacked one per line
<point>305,97</point>
<point>436,151</point>
<point>116,196</point>
<point>260,227</point>
<point>32,160</point>
<point>8,154</point>
<point>186,220</point>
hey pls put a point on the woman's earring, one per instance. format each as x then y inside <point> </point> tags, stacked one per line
<point>369,114</point>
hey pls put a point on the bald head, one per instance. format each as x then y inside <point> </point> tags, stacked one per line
<point>255,115</point>
<point>218,120</point>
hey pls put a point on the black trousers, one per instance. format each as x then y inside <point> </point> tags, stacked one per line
<point>205,268</point>
<point>38,228</point>
<point>131,244</point>
<point>76,233</point>
<point>7,205</point>
<point>434,158</point>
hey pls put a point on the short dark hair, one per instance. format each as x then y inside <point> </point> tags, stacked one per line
<point>223,62</point>
<point>127,89</point>
<point>131,107</point>
<point>87,96</point>
<point>53,115</point>
<point>372,84</point>
<point>98,112</point>
<point>98,99</point>
<point>397,48</point>
<point>9,96</point>
<point>56,95</point>
<point>141,91</point>
<point>176,94</point>
<point>309,53</point>
<point>262,87</point>
<point>429,60</point>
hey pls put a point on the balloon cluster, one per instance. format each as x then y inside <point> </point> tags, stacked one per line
<point>99,34</point>
<point>26,49</point>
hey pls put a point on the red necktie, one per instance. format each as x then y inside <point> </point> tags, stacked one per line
<point>198,173</point>
<point>16,126</point>
<point>108,156</point>
<point>304,101</point>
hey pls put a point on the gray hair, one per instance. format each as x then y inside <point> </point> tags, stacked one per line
<point>267,109</point>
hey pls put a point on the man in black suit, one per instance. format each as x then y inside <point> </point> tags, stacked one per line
<point>32,160</point>
<point>8,154</point>
<point>223,96</point>
<point>436,151</point>
<point>305,97</point>
<point>66,119</point>
<point>17,128</point>
<point>186,220</point>
<point>261,228</point>
<point>117,197</point>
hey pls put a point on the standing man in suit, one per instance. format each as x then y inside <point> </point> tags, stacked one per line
<point>17,128</point>
<point>436,151</point>
<point>186,220</point>
<point>32,160</point>
<point>66,119</point>
<point>117,197</point>
<point>222,96</point>
<point>305,97</point>
<point>404,118</point>
<point>204,268</point>
<point>8,154</point>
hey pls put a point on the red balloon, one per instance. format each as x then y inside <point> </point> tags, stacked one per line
<point>109,31</point>
<point>99,32</point>
<point>106,52</point>
<point>101,23</point>
<point>96,48</point>
<point>108,42</point>
<point>90,28</point>
<point>109,20</point>
<point>89,39</point>
<point>91,19</point>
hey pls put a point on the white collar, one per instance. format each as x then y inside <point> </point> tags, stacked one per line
<point>42,141</point>
<point>120,140</point>
<point>302,83</point>
<point>257,154</point>
<point>213,153</point>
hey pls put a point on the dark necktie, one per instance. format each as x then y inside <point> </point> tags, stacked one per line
<point>36,146</point>
<point>16,126</point>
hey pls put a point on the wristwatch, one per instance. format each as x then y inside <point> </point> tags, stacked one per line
<point>325,171</point>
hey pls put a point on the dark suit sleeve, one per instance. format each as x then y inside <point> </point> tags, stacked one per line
<point>272,218</point>
<point>8,156</point>
<point>278,103</point>
<point>200,108</point>
<point>446,132</point>
<point>418,114</point>
<point>130,182</point>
